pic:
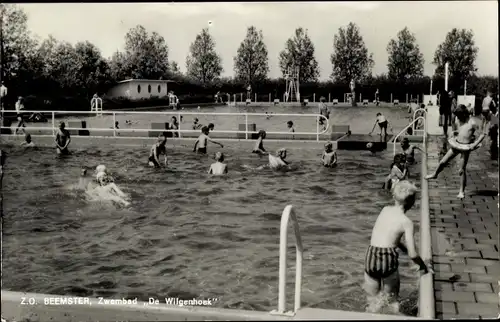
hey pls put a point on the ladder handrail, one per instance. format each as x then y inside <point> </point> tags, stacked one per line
<point>406,128</point>
<point>288,212</point>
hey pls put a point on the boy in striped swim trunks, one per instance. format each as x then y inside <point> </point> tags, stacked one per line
<point>381,260</point>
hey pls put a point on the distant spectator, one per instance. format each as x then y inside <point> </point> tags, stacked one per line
<point>174,126</point>
<point>19,112</point>
<point>3,94</point>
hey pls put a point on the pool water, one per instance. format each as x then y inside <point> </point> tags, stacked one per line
<point>190,235</point>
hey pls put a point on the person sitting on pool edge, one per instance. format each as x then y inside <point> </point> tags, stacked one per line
<point>329,157</point>
<point>218,168</point>
<point>63,139</point>
<point>28,143</point>
<point>201,143</point>
<point>409,150</point>
<point>259,145</point>
<point>382,123</point>
<point>158,149</point>
<point>381,259</point>
<point>463,144</point>
<point>278,162</point>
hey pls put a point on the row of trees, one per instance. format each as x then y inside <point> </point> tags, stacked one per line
<point>52,67</point>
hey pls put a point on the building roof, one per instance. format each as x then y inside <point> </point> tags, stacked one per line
<point>146,80</point>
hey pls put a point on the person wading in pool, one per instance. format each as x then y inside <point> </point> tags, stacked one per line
<point>158,149</point>
<point>201,143</point>
<point>63,139</point>
<point>323,110</point>
<point>381,259</point>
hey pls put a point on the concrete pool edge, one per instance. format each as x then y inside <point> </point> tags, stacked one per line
<point>426,302</point>
<point>16,307</point>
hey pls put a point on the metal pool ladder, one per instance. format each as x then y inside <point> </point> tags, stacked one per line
<point>288,212</point>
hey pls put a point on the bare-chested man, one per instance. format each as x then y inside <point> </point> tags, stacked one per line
<point>381,260</point>
<point>63,139</point>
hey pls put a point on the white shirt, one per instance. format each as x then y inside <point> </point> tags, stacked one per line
<point>3,91</point>
<point>381,119</point>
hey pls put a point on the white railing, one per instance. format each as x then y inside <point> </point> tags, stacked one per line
<point>406,128</point>
<point>285,217</point>
<point>178,114</point>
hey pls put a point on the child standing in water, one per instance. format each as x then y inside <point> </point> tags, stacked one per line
<point>200,145</point>
<point>329,157</point>
<point>399,171</point>
<point>28,143</point>
<point>381,259</point>
<point>291,129</point>
<point>382,123</point>
<point>158,149</point>
<point>259,145</point>
<point>409,150</point>
<point>463,144</point>
<point>218,168</point>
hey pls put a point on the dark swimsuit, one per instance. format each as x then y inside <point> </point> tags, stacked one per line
<point>383,125</point>
<point>151,158</point>
<point>202,150</point>
<point>381,262</point>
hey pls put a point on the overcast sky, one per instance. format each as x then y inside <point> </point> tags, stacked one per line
<point>106,24</point>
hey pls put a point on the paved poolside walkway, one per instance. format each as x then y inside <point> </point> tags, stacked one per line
<point>465,237</point>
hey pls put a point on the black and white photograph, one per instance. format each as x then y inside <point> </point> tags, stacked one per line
<point>273,160</point>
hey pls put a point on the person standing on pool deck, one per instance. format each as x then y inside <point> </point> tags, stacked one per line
<point>201,143</point>
<point>19,112</point>
<point>381,259</point>
<point>382,123</point>
<point>158,149</point>
<point>63,139</point>
<point>462,144</point>
<point>218,168</point>
<point>323,110</point>
<point>445,110</point>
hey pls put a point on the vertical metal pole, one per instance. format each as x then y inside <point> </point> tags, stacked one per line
<point>241,97</point>
<point>431,89</point>
<point>329,95</point>
<point>391,99</point>
<point>255,98</point>
<point>234,96</point>
<point>406,98</point>
<point>246,126</point>
<point>114,124</point>
<point>465,88</point>
<point>314,98</point>
<point>179,129</point>
<point>53,124</point>
<point>269,98</point>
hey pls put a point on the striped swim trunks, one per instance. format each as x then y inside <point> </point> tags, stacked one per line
<point>381,262</point>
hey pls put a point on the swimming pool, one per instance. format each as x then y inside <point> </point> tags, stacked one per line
<point>188,235</point>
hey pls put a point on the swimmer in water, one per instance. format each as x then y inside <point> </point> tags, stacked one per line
<point>84,180</point>
<point>291,129</point>
<point>201,143</point>
<point>106,181</point>
<point>382,123</point>
<point>259,145</point>
<point>278,162</point>
<point>463,144</point>
<point>218,168</point>
<point>158,149</point>
<point>63,139</point>
<point>28,143</point>
<point>329,157</point>
<point>399,171</point>
<point>381,259</point>
<point>409,150</point>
